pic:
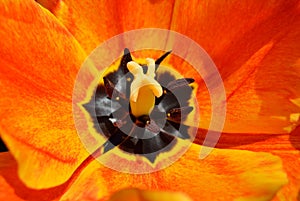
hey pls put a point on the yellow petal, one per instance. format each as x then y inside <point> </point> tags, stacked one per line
<point>139,195</point>
<point>223,175</point>
<point>286,146</point>
<point>291,164</point>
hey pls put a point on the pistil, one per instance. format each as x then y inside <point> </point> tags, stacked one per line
<point>144,88</point>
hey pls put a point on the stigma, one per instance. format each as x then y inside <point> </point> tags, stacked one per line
<point>144,88</point>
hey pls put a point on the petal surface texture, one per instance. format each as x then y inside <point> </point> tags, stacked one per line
<point>286,146</point>
<point>92,23</point>
<point>223,175</point>
<point>39,62</point>
<point>255,46</point>
<point>139,195</point>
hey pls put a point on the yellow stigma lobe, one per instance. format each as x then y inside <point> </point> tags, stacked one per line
<point>144,88</point>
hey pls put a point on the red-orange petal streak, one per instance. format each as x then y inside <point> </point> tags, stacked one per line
<point>13,189</point>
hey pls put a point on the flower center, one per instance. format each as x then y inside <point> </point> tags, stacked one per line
<point>139,114</point>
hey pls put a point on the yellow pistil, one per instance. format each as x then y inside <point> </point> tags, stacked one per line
<point>144,88</point>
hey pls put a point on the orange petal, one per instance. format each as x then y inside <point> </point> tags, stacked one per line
<point>256,48</point>
<point>92,23</point>
<point>140,195</point>
<point>223,175</point>
<point>39,61</point>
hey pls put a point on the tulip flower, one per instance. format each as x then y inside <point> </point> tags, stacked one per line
<point>255,46</point>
